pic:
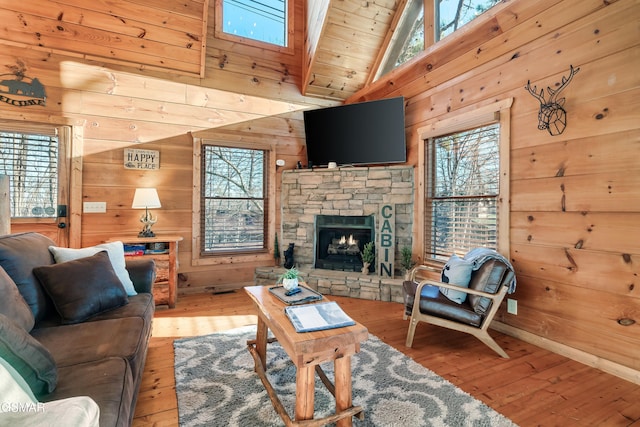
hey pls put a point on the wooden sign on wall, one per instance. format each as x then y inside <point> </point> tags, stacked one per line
<point>141,159</point>
<point>386,253</point>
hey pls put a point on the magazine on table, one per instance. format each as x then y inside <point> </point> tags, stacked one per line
<point>318,317</point>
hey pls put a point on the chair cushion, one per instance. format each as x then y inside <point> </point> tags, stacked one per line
<point>82,288</point>
<point>428,291</point>
<point>457,271</point>
<point>116,256</point>
<point>12,304</point>
<point>27,356</point>
<point>440,306</point>
<point>488,278</point>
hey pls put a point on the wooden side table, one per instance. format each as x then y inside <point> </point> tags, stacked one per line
<point>167,263</point>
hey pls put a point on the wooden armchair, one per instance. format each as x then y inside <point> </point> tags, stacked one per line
<point>488,286</point>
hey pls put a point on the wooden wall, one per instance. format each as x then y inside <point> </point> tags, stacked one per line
<point>120,107</point>
<point>575,197</point>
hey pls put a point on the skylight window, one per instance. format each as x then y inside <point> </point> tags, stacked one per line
<point>453,14</point>
<point>260,20</point>
<point>447,16</point>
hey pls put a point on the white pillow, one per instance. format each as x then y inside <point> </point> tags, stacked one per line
<point>20,408</point>
<point>456,271</point>
<point>13,388</point>
<point>116,256</point>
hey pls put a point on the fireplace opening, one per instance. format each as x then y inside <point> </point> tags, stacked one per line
<point>339,241</point>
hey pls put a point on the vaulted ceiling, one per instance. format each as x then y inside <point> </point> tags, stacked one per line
<point>344,40</point>
<point>344,44</point>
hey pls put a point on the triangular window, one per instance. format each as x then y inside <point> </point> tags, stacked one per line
<point>443,16</point>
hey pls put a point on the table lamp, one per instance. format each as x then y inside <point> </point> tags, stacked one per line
<point>145,198</point>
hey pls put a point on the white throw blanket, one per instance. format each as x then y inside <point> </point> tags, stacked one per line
<point>478,256</point>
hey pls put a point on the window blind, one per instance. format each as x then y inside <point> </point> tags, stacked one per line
<point>29,156</point>
<point>233,199</point>
<point>464,181</point>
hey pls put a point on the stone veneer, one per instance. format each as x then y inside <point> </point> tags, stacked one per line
<point>343,191</point>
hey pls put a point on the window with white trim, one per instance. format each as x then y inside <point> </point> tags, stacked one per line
<point>267,22</point>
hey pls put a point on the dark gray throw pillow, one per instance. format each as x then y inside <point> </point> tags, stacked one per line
<point>27,356</point>
<point>82,288</point>
<point>12,304</point>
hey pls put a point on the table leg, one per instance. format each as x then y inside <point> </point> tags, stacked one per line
<point>261,341</point>
<point>342,368</point>
<point>305,389</point>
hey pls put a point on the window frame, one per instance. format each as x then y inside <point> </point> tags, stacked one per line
<point>229,257</point>
<point>458,121</point>
<point>382,67</point>
<point>288,48</point>
<point>70,169</point>
<point>56,133</point>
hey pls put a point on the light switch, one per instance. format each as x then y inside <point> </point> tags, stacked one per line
<point>94,207</point>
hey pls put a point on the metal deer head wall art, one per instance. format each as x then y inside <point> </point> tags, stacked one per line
<point>551,115</point>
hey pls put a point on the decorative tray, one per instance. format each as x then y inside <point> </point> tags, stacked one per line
<point>306,295</point>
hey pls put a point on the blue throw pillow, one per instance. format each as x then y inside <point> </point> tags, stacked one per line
<point>456,271</point>
<point>429,291</point>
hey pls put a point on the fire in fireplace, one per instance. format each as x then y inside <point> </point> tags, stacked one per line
<point>340,239</point>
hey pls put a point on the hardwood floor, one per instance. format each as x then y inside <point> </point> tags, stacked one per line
<point>533,388</point>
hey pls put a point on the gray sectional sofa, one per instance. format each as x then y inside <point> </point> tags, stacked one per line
<point>75,328</point>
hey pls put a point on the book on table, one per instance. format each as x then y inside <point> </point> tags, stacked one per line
<point>318,317</point>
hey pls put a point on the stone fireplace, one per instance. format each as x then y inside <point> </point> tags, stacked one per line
<point>348,195</point>
<point>321,205</point>
<point>339,240</point>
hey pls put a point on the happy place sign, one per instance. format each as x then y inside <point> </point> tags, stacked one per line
<point>141,159</point>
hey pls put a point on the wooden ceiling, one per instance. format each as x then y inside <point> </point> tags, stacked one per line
<point>162,35</point>
<point>344,40</point>
<point>344,43</point>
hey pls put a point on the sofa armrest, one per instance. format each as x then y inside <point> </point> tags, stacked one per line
<point>142,272</point>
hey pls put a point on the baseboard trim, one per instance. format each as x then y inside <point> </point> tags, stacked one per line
<point>588,359</point>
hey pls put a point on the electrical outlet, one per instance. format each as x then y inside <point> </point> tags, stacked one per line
<point>94,207</point>
<point>512,306</point>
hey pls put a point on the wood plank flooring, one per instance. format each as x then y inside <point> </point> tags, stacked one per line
<point>533,388</point>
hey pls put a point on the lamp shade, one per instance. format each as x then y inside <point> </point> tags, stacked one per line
<point>146,198</point>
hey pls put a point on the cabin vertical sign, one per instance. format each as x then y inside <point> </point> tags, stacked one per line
<point>386,253</point>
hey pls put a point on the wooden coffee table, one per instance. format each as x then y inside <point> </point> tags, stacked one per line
<point>307,350</point>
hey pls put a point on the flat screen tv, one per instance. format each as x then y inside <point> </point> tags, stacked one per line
<point>366,133</point>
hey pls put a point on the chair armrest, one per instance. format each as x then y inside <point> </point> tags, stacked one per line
<point>422,268</point>
<point>142,272</point>
<point>423,283</point>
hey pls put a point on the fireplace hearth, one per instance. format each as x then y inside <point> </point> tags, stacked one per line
<point>339,241</point>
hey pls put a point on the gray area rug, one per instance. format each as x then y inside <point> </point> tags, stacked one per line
<point>217,386</point>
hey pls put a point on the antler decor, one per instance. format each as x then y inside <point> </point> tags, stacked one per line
<point>551,115</point>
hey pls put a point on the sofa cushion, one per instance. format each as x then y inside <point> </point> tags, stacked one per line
<point>95,340</point>
<point>12,304</point>
<point>29,357</point>
<point>19,254</point>
<point>108,382</point>
<point>456,271</point>
<point>82,288</point>
<point>116,256</point>
<point>488,278</point>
